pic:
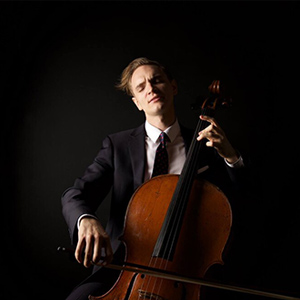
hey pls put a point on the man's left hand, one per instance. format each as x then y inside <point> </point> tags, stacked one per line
<point>217,139</point>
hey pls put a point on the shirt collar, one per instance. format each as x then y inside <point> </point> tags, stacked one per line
<point>153,132</point>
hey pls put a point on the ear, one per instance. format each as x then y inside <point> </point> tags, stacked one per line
<point>136,102</point>
<point>175,87</point>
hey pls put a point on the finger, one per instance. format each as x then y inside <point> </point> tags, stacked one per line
<point>79,250</point>
<point>214,143</point>
<point>212,135</point>
<point>108,252</point>
<point>209,119</point>
<point>209,133</point>
<point>97,248</point>
<point>203,133</point>
<point>209,144</point>
<point>214,124</point>
<point>88,251</point>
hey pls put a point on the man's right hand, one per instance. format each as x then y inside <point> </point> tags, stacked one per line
<point>91,239</point>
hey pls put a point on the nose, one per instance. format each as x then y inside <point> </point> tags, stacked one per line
<point>150,88</point>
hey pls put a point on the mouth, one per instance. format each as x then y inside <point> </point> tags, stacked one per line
<point>155,99</point>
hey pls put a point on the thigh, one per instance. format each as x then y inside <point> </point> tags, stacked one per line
<point>83,291</point>
<point>97,284</point>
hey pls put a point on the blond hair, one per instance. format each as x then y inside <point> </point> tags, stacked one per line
<point>125,85</point>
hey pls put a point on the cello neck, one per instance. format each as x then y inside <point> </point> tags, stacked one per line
<point>167,239</point>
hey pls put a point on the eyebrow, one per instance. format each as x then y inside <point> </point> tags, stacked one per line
<point>158,75</point>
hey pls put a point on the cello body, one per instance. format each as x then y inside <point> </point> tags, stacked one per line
<point>202,237</point>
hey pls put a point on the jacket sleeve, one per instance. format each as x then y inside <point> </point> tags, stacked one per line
<point>89,191</point>
<point>230,180</point>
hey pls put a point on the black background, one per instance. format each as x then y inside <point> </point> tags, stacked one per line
<point>59,63</point>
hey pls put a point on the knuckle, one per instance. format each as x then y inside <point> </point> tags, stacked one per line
<point>97,235</point>
<point>89,236</point>
<point>105,236</point>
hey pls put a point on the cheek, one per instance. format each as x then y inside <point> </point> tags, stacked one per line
<point>137,102</point>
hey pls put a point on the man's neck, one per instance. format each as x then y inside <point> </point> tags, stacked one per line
<point>161,122</point>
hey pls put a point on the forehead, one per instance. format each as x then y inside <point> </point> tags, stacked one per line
<point>146,71</point>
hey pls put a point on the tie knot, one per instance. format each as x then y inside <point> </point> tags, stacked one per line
<point>163,138</point>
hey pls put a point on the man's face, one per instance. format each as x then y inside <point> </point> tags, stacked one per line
<point>152,91</point>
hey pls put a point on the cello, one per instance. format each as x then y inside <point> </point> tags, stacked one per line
<point>175,229</point>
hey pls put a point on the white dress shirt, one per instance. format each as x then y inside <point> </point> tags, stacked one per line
<point>175,148</point>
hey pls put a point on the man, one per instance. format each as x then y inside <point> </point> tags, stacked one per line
<point>127,159</point>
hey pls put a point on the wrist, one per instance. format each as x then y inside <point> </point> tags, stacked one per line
<point>232,159</point>
<point>85,216</point>
<point>237,164</point>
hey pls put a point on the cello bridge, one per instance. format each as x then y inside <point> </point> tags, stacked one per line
<point>147,295</point>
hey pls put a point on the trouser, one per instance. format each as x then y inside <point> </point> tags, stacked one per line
<point>97,284</point>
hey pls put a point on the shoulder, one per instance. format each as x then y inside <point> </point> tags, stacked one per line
<point>128,133</point>
<point>118,142</point>
<point>125,136</point>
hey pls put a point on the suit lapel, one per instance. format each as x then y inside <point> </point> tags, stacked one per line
<point>137,154</point>
<point>187,135</point>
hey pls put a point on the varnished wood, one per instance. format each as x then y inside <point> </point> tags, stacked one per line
<point>203,235</point>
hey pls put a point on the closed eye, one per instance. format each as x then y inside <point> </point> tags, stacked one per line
<point>140,87</point>
<point>157,79</point>
<point>154,80</point>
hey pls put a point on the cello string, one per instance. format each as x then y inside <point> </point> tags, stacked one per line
<point>155,262</point>
<point>150,278</point>
<point>186,189</point>
<point>160,263</point>
<point>190,172</point>
<point>180,190</point>
<point>179,208</point>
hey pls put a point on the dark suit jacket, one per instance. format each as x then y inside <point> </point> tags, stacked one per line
<point>120,166</point>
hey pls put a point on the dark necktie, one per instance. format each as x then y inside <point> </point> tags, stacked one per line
<point>161,163</point>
